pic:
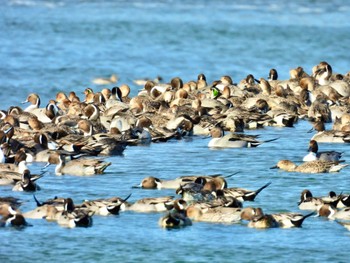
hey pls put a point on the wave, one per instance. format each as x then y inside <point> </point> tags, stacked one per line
<point>33,3</point>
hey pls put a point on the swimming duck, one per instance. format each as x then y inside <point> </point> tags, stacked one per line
<point>314,154</point>
<point>72,217</point>
<point>104,207</point>
<point>151,182</point>
<point>242,194</point>
<point>193,191</point>
<point>327,136</point>
<point>203,212</point>
<point>10,177</point>
<point>50,209</point>
<point>310,167</point>
<point>288,220</point>
<point>309,202</point>
<point>262,221</point>
<point>150,204</point>
<point>105,81</point>
<point>331,212</point>
<point>78,166</point>
<point>11,217</point>
<point>176,217</point>
<point>231,140</point>
<point>27,184</point>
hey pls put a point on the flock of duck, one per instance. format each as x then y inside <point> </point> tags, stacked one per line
<point>72,133</point>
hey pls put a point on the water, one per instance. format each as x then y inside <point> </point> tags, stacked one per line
<point>49,46</point>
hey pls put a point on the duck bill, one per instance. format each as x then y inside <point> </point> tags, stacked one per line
<point>274,167</point>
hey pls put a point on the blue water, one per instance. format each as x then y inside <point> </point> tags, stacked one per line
<point>51,46</point>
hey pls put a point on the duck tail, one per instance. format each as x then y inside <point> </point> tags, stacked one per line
<point>103,166</point>
<point>251,196</point>
<point>255,144</point>
<point>37,201</point>
<point>300,221</point>
<point>262,188</point>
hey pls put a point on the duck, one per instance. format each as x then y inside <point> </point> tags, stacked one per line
<point>49,212</point>
<point>149,204</point>
<point>77,166</point>
<point>73,217</point>
<point>194,192</point>
<point>233,140</point>
<point>15,178</point>
<point>309,202</point>
<point>105,207</point>
<point>176,217</point>
<point>242,194</point>
<point>317,166</point>
<point>11,217</point>
<point>262,221</point>
<point>328,136</point>
<point>34,101</point>
<point>26,184</point>
<point>290,220</point>
<point>105,81</point>
<point>151,182</point>
<point>331,212</point>
<point>204,212</point>
<point>314,154</point>
<point>50,209</point>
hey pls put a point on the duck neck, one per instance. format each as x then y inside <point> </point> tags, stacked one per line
<point>59,166</point>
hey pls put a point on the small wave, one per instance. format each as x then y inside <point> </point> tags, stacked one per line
<point>47,4</point>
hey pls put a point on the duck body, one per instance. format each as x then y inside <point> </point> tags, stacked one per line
<point>77,167</point>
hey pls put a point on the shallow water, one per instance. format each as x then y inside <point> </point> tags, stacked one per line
<point>48,46</point>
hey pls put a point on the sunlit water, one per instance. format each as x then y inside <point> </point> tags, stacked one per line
<point>49,46</point>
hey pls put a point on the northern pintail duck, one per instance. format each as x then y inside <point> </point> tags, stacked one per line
<point>151,182</point>
<point>194,192</point>
<point>50,209</point>
<point>104,207</point>
<point>176,217</point>
<point>150,204</point>
<point>27,184</point>
<point>74,217</point>
<point>78,166</point>
<point>105,81</point>
<point>309,202</point>
<point>231,140</point>
<point>310,167</point>
<point>11,217</point>
<point>328,136</point>
<point>329,211</point>
<point>262,221</point>
<point>273,75</point>
<point>242,194</point>
<point>34,101</point>
<point>214,214</point>
<point>13,167</point>
<point>46,211</point>
<point>314,154</point>
<point>289,220</point>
